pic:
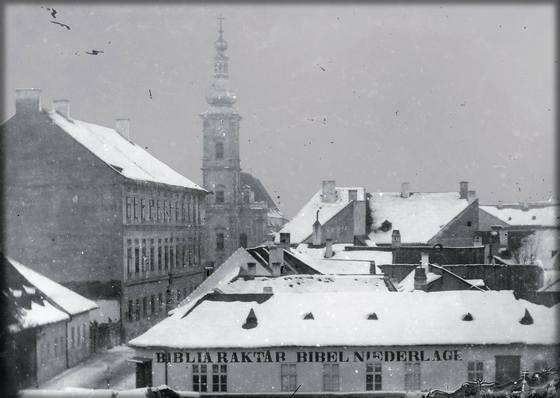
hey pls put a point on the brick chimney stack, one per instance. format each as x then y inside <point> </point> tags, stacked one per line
<point>328,248</point>
<point>405,190</point>
<point>329,191</point>
<point>464,190</point>
<point>62,107</point>
<point>420,279</point>
<point>396,238</point>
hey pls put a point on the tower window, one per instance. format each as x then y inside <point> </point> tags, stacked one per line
<point>219,150</point>
<point>219,196</point>
<point>219,241</point>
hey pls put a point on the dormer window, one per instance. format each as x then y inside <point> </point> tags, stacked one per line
<point>219,150</point>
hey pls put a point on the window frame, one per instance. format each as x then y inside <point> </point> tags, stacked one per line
<point>331,377</point>
<point>374,376</point>
<point>288,377</point>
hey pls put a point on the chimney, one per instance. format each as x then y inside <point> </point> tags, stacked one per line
<point>524,205</point>
<point>317,237</point>
<point>328,248</point>
<point>62,107</point>
<point>471,196</point>
<point>463,190</point>
<point>275,255</point>
<point>424,258</point>
<point>500,204</point>
<point>420,280</point>
<point>276,269</point>
<point>396,238</point>
<point>284,240</point>
<point>405,190</point>
<point>251,270</point>
<point>329,191</point>
<point>122,126</point>
<point>372,269</point>
<point>28,100</point>
<point>503,236</point>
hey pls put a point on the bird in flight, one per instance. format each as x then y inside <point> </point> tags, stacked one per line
<point>95,52</point>
<point>61,24</point>
<point>52,11</point>
<point>150,91</point>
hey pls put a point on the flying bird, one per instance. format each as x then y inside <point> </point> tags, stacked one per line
<point>95,52</point>
<point>150,91</point>
<point>53,12</point>
<point>61,24</point>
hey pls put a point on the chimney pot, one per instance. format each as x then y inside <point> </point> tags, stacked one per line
<point>62,107</point>
<point>396,238</point>
<point>122,126</point>
<point>329,191</point>
<point>471,196</point>
<point>500,204</point>
<point>463,190</point>
<point>405,190</point>
<point>328,248</point>
<point>28,100</point>
<point>420,279</point>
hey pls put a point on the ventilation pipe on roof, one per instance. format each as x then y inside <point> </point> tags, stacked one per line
<point>329,191</point>
<point>463,190</point>
<point>500,204</point>
<point>122,126</point>
<point>420,279</point>
<point>62,107</point>
<point>328,248</point>
<point>372,269</point>
<point>396,238</point>
<point>405,190</point>
<point>28,100</point>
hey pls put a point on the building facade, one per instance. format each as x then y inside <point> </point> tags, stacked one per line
<point>239,211</point>
<point>90,209</point>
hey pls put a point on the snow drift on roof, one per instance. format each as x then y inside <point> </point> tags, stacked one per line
<point>70,301</point>
<point>124,156</point>
<point>301,226</point>
<point>418,218</point>
<point>515,215</point>
<point>404,319</point>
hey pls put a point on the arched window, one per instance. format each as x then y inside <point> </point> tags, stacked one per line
<point>219,150</point>
<point>243,240</point>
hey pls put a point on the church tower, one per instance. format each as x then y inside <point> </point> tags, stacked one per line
<point>221,167</point>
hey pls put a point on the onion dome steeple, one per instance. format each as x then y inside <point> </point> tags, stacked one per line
<point>220,94</point>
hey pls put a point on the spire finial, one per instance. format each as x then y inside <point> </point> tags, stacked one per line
<point>220,21</point>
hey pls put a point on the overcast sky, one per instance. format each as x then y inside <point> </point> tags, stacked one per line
<point>368,95</point>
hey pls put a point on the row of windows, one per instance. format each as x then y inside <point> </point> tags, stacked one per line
<point>77,338</point>
<point>147,307</point>
<point>331,376</point>
<point>160,255</point>
<point>139,210</point>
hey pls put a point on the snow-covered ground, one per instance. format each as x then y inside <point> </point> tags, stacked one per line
<point>92,372</point>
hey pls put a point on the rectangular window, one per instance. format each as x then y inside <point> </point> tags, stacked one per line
<point>412,381</point>
<point>128,208</point>
<point>136,260</point>
<point>219,241</point>
<point>72,336</point>
<point>219,378</point>
<point>143,209</point>
<point>330,377</point>
<point>352,195</point>
<point>475,371</point>
<point>151,210</point>
<point>179,297</point>
<point>144,307</point>
<point>178,256</point>
<point>171,255</point>
<point>373,377</point>
<point>129,259</point>
<point>130,310</point>
<point>219,196</point>
<point>152,256</point>
<point>166,210</point>
<point>159,211</point>
<point>166,255</point>
<point>288,377</point>
<point>137,310</point>
<point>136,210</point>
<point>200,378</point>
<point>152,304</point>
<point>159,255</point>
<point>177,211</point>
<point>144,256</point>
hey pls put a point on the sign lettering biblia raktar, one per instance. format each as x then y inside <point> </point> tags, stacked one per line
<point>267,356</point>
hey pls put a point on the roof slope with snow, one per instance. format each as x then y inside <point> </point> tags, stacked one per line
<point>403,319</point>
<point>538,215</point>
<point>68,300</point>
<point>307,284</point>
<point>124,156</point>
<point>301,226</point>
<point>418,218</point>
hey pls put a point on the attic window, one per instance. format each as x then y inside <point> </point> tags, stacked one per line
<point>372,317</point>
<point>534,217</point>
<point>509,218</point>
<point>527,318</point>
<point>468,317</point>
<point>251,321</point>
<point>469,223</point>
<point>386,226</point>
<point>309,315</point>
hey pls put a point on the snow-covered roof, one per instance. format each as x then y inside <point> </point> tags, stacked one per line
<point>68,300</point>
<point>39,314</point>
<point>537,215</point>
<point>307,284</point>
<point>418,218</point>
<point>407,284</point>
<point>342,262</point>
<point>403,319</point>
<point>301,226</point>
<point>124,156</point>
